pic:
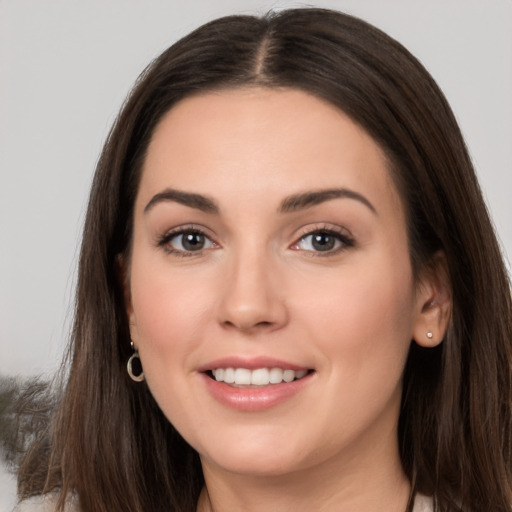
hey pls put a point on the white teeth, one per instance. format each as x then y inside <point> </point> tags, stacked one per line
<point>276,376</point>
<point>288,375</point>
<point>258,377</point>
<point>301,373</point>
<point>242,376</point>
<point>229,376</point>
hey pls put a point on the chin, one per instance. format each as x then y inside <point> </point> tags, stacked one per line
<point>255,466</point>
<point>256,456</point>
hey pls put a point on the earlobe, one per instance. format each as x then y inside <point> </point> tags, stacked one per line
<point>434,300</point>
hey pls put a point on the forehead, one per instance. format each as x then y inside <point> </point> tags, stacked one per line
<point>242,142</point>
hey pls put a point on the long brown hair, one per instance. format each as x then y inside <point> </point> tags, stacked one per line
<point>111,444</point>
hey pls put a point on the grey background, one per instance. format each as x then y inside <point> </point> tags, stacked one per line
<point>65,68</point>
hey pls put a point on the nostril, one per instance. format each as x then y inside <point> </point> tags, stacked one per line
<point>263,324</point>
<point>248,326</point>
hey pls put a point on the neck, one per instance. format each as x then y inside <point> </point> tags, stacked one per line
<point>365,485</point>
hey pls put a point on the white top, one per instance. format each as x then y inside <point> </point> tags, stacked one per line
<point>423,503</point>
<point>47,504</point>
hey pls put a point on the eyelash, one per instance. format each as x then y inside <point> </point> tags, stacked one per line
<point>167,238</point>
<point>344,240</point>
<point>342,237</point>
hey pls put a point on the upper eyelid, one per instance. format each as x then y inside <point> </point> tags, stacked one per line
<point>187,228</point>
<point>323,227</point>
<point>302,233</point>
<point>163,239</point>
<point>164,242</point>
<point>344,236</point>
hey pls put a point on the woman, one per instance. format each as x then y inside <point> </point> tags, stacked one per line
<point>290,296</point>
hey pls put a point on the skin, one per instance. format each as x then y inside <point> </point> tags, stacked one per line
<point>260,288</point>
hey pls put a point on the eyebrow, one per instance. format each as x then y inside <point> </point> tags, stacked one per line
<point>308,199</point>
<point>197,201</point>
<point>290,204</point>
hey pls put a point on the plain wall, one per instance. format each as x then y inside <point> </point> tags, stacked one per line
<point>65,67</point>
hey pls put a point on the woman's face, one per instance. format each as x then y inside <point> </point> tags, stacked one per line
<point>270,288</point>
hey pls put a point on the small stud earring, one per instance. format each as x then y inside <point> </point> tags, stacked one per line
<point>430,335</point>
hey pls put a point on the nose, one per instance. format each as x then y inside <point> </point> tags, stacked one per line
<point>252,298</point>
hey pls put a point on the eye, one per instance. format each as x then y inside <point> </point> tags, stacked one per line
<point>323,240</point>
<point>186,241</point>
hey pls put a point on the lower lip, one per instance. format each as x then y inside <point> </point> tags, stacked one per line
<point>254,399</point>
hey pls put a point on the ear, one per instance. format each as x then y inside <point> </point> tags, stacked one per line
<point>434,303</point>
<point>123,277</point>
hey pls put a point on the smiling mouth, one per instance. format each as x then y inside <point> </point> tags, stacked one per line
<point>260,377</point>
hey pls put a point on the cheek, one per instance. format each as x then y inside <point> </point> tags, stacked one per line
<point>163,299</point>
<point>361,316</point>
<point>361,324</point>
<point>168,314</point>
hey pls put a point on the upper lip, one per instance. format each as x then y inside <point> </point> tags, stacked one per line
<point>250,363</point>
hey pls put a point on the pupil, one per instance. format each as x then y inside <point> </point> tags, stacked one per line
<point>193,241</point>
<point>323,242</point>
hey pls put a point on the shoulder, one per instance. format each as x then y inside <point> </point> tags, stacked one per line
<point>423,503</point>
<point>46,503</point>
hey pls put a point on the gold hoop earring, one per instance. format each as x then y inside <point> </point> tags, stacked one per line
<point>134,366</point>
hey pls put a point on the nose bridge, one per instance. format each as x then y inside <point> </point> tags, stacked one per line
<point>251,298</point>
